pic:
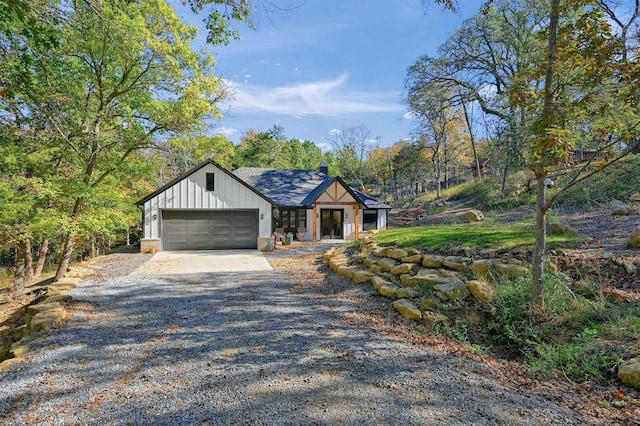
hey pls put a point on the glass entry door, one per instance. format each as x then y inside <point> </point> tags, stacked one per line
<point>331,224</point>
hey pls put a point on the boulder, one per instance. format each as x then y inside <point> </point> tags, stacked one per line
<point>482,268</point>
<point>629,267</point>
<point>397,254</point>
<point>634,239</point>
<point>511,270</point>
<point>346,271</point>
<point>474,216</point>
<point>411,251</point>
<point>362,276</point>
<point>381,251</point>
<point>432,261</point>
<point>428,305</point>
<point>387,264</point>
<point>378,282</point>
<point>482,291</point>
<point>561,228</point>
<point>338,261</point>
<point>619,208</point>
<point>370,261</point>
<point>425,278</point>
<point>405,268</point>
<point>457,263</point>
<point>45,320</point>
<point>454,289</point>
<point>635,198</point>
<point>42,307</point>
<point>407,293</point>
<point>629,372</point>
<point>388,290</point>
<point>412,258</point>
<point>376,269</point>
<point>407,309</point>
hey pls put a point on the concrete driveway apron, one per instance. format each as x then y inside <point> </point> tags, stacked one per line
<point>204,261</point>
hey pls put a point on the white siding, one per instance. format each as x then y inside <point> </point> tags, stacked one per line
<point>191,194</point>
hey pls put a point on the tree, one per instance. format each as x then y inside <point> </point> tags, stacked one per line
<point>352,146</point>
<point>124,76</point>
<point>584,59</point>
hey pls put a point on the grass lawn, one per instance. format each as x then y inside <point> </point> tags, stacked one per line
<point>488,234</point>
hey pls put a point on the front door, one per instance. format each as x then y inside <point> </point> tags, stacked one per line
<point>331,224</point>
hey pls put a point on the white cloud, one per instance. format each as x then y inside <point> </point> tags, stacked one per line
<point>335,131</point>
<point>325,147</point>
<point>320,98</point>
<point>225,131</point>
<point>410,115</point>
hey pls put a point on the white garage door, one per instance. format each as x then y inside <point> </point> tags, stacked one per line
<point>209,230</point>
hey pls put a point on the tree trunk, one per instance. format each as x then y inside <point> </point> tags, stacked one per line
<point>28,262</point>
<point>472,139</point>
<point>65,260</point>
<point>547,122</point>
<point>537,290</point>
<point>20,273</point>
<point>42,256</point>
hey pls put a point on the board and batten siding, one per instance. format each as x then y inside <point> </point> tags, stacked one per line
<point>190,194</point>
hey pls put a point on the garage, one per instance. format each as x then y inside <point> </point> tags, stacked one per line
<point>209,230</point>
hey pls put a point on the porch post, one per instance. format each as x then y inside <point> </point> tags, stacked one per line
<point>357,209</point>
<point>315,224</point>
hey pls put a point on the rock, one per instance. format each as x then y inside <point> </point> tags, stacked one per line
<point>629,267</point>
<point>397,254</point>
<point>584,288</point>
<point>405,268</point>
<point>424,278</point>
<point>635,198</point>
<point>411,251</point>
<point>45,320</point>
<point>457,263</point>
<point>474,216</point>
<point>473,318</point>
<point>561,228</point>
<point>370,261</point>
<point>59,298</point>
<point>619,208</point>
<point>511,270</point>
<point>629,372</point>
<point>42,307</point>
<point>428,305</point>
<point>414,258</point>
<point>388,290</point>
<point>376,269</point>
<point>387,264</point>
<point>407,309</point>
<point>332,252</point>
<point>433,318</point>
<point>20,332</point>
<point>338,261</point>
<point>482,291</point>
<point>381,251</point>
<point>482,268</point>
<point>362,276</point>
<point>455,289</point>
<point>407,293</point>
<point>634,239</point>
<point>346,271</point>
<point>432,261</point>
<point>377,282</point>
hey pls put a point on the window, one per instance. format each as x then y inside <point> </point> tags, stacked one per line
<point>369,220</point>
<point>210,182</point>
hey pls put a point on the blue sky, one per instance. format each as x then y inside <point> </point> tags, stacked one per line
<point>323,65</point>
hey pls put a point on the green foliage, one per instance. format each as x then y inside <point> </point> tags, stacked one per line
<point>618,182</point>
<point>488,233</point>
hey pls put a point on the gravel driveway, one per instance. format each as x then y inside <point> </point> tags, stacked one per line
<point>247,348</point>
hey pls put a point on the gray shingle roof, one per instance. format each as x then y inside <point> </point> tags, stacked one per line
<point>297,188</point>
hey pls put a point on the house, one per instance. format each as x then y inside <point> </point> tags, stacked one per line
<point>211,208</point>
